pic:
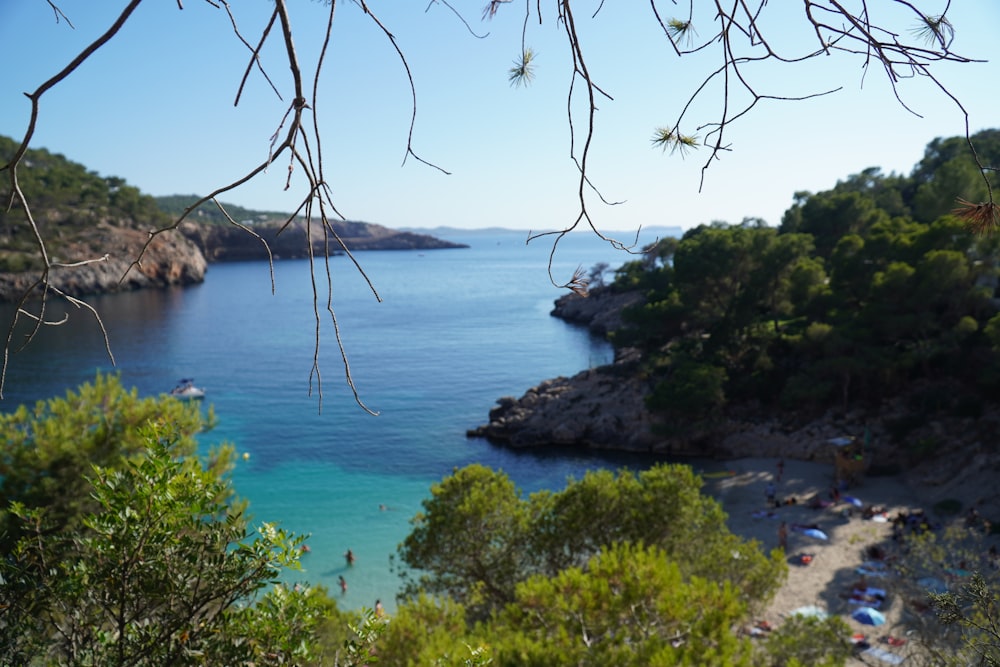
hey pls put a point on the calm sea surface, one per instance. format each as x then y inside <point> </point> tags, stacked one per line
<point>456,330</point>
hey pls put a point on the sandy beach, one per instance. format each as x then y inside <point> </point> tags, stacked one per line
<point>829,577</point>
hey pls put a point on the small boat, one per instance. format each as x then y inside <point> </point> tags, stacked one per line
<point>185,389</point>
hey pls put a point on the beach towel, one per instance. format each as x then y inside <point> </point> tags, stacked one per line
<point>873,569</point>
<point>866,602</point>
<point>883,655</point>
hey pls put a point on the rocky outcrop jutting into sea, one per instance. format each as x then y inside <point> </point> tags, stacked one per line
<point>222,243</point>
<point>599,408</point>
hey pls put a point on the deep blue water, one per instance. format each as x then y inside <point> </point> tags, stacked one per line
<point>456,330</point>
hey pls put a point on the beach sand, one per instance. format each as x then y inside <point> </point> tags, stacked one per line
<point>826,582</point>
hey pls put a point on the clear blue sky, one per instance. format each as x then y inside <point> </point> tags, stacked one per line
<point>155,106</point>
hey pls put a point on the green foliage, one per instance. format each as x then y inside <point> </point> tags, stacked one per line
<point>209,213</point>
<point>159,573</point>
<point>471,540</point>
<point>975,609</point>
<point>76,201</point>
<point>478,538</point>
<point>691,390</point>
<point>807,642</point>
<point>948,506</point>
<point>426,631</point>
<point>902,290</point>
<point>46,452</point>
<point>630,605</point>
<point>953,556</point>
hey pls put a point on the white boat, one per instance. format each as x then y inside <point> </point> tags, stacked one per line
<point>185,389</point>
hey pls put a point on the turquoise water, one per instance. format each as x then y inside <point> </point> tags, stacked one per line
<point>456,330</point>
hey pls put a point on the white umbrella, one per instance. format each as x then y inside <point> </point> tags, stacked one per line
<point>815,532</point>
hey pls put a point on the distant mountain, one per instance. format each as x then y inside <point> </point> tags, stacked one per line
<point>221,241</point>
<point>623,235</point>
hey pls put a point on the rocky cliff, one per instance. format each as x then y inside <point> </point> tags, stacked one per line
<point>170,259</point>
<point>599,408</point>
<point>226,242</point>
<point>600,311</point>
<point>180,257</point>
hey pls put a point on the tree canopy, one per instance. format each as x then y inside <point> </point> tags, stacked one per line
<point>120,546</point>
<point>860,294</point>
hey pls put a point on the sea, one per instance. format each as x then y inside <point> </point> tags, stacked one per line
<point>449,332</point>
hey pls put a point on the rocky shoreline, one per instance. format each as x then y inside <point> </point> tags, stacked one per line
<point>604,409</point>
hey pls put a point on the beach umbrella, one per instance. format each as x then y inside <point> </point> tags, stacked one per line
<point>810,611</point>
<point>815,532</point>
<point>868,616</point>
<point>853,501</point>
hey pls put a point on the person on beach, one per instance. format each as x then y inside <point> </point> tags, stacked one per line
<point>770,492</point>
<point>783,536</point>
<point>379,611</point>
<point>781,469</point>
<point>343,584</point>
<point>350,557</point>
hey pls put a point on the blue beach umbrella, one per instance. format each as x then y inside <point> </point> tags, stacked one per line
<point>868,616</point>
<point>853,501</point>
<point>816,533</point>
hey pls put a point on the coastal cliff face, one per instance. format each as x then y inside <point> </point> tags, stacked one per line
<point>181,257</point>
<point>170,259</point>
<point>226,242</point>
<point>601,311</point>
<point>599,408</point>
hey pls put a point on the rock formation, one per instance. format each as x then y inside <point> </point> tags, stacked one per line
<point>170,259</point>
<point>226,242</point>
<point>600,311</point>
<point>599,408</point>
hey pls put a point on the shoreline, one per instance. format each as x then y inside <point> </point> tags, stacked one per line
<point>827,580</point>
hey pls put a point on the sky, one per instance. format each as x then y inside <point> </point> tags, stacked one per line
<point>155,106</point>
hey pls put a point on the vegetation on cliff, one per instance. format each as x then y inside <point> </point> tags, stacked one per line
<point>864,291</point>
<point>76,204</point>
<point>85,217</point>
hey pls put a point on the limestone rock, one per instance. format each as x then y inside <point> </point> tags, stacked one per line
<point>600,311</point>
<point>170,259</point>
<point>599,408</point>
<point>223,242</point>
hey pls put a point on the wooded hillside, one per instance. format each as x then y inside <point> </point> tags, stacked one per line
<point>870,289</point>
